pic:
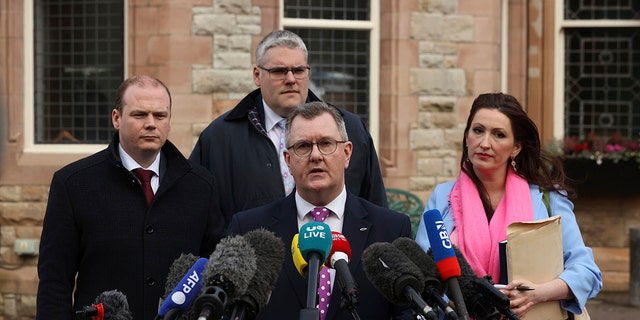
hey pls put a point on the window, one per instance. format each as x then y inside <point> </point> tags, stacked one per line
<point>601,68</point>
<point>79,51</point>
<point>342,41</point>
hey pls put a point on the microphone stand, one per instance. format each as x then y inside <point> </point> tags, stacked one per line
<point>349,299</point>
<point>311,312</point>
<point>349,308</point>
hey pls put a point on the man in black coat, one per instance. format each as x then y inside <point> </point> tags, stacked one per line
<point>240,147</point>
<point>319,151</point>
<point>100,230</point>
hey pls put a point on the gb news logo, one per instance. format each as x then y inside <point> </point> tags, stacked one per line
<point>315,231</point>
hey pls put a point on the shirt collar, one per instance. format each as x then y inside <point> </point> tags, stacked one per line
<point>129,163</point>
<point>271,118</point>
<point>336,205</point>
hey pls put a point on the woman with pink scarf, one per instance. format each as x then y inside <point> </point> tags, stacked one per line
<point>503,170</point>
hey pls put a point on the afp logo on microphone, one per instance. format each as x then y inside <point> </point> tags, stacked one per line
<point>180,296</point>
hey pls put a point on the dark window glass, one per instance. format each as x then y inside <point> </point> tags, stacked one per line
<point>602,9</point>
<point>339,61</point>
<point>78,65</point>
<point>327,9</point>
<point>602,82</point>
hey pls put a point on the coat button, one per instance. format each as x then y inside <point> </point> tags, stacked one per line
<point>151,281</point>
<point>150,229</point>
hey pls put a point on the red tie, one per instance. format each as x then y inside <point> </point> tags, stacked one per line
<point>145,179</point>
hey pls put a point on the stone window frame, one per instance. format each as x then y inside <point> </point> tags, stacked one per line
<point>559,57</point>
<point>50,154</point>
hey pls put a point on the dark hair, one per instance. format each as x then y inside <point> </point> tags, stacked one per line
<point>314,109</point>
<point>532,162</point>
<point>140,81</point>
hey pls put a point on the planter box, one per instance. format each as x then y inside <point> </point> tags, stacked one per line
<point>608,177</point>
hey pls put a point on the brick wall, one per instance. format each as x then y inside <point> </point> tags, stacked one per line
<point>21,211</point>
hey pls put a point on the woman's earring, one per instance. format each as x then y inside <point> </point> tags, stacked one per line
<point>513,164</point>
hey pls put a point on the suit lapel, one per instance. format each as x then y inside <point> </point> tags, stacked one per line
<point>285,225</point>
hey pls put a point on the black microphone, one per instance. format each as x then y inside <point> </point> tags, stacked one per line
<point>433,289</point>
<point>483,300</point>
<point>226,277</point>
<point>269,251</point>
<point>109,305</point>
<point>397,278</point>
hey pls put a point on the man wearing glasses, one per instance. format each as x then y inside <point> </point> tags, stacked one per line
<point>244,147</point>
<point>318,152</point>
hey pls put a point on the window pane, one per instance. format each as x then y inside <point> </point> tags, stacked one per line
<point>602,82</point>
<point>79,63</point>
<point>602,9</point>
<point>339,61</point>
<point>327,9</point>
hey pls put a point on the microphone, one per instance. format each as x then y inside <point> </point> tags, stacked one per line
<point>269,251</point>
<point>109,305</point>
<point>397,278</point>
<point>485,302</point>
<point>226,276</point>
<point>185,291</point>
<point>298,261</point>
<point>314,242</point>
<point>338,259</point>
<point>433,287</point>
<point>445,258</point>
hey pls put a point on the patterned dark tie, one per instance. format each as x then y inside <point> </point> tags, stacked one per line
<point>145,179</point>
<point>324,281</point>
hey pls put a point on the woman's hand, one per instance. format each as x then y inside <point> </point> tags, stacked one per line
<point>521,301</point>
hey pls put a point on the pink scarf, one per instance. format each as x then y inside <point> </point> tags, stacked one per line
<point>478,239</point>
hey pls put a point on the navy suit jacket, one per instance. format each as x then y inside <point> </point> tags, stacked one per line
<point>364,223</point>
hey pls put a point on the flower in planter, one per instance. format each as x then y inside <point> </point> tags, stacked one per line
<point>616,148</point>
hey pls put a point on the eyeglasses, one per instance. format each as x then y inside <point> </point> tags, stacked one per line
<point>326,146</point>
<point>281,73</point>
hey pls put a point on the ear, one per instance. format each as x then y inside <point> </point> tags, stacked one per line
<point>287,159</point>
<point>115,119</point>
<point>348,150</point>
<point>256,76</point>
<point>516,150</point>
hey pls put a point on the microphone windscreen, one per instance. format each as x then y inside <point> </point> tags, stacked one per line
<point>421,259</point>
<point>231,266</point>
<point>390,271</point>
<point>441,245</point>
<point>186,290</point>
<point>269,251</point>
<point>479,295</point>
<point>115,304</point>
<point>315,237</point>
<point>339,244</point>
<point>177,270</point>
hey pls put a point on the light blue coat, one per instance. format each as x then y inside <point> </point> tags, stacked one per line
<point>581,273</point>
